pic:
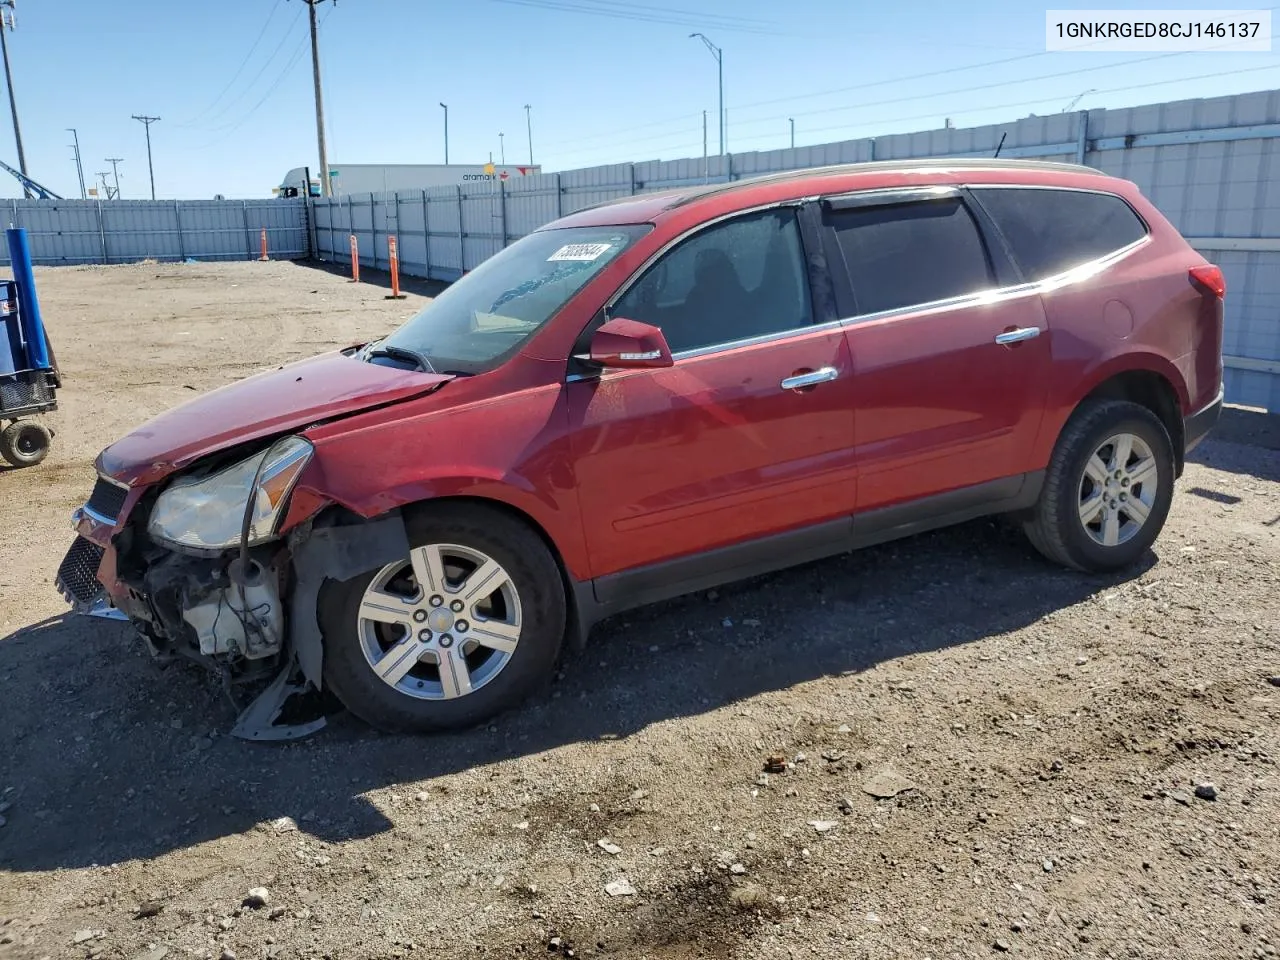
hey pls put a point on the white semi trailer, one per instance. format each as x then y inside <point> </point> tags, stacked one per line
<point>389,177</point>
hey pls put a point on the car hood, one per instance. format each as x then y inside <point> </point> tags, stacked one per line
<point>321,388</point>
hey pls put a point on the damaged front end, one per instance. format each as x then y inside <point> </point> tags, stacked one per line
<point>198,565</point>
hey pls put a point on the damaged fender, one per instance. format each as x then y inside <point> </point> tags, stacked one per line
<point>323,553</point>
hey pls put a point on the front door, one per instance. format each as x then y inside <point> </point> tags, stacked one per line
<point>748,434</point>
<point>950,359</point>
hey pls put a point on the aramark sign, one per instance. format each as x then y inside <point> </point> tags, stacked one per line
<point>491,172</point>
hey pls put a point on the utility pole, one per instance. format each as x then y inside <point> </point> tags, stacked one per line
<point>502,150</point>
<point>528,119</point>
<point>326,188</point>
<point>115,172</point>
<point>719,55</point>
<point>147,122</point>
<point>7,24</point>
<point>79,165</point>
<point>445,106</point>
<point>102,175</point>
<point>792,121</point>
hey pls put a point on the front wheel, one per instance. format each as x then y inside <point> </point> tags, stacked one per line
<point>1108,488</point>
<point>463,628</point>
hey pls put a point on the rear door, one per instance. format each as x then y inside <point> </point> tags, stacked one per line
<point>950,351</point>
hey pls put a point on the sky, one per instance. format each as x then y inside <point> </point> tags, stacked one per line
<point>607,81</point>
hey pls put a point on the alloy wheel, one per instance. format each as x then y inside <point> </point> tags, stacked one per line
<point>441,623</point>
<point>1118,489</point>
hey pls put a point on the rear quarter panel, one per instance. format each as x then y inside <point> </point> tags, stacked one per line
<point>1138,312</point>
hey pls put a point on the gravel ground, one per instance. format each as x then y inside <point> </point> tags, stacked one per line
<point>983,754</point>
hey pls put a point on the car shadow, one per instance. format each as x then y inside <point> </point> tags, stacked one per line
<point>1246,441</point>
<point>110,758</point>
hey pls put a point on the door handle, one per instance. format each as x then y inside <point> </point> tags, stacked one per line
<point>809,379</point>
<point>1017,336</point>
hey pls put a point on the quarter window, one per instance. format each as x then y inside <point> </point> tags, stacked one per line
<point>1050,231</point>
<point>742,278</point>
<point>913,253</point>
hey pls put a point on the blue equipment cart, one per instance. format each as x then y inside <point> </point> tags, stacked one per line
<point>28,372</point>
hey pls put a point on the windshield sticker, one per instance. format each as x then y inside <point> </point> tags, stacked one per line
<point>585,252</point>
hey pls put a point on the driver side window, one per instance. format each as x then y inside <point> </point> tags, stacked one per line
<point>738,279</point>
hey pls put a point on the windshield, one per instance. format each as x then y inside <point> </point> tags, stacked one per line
<point>483,318</point>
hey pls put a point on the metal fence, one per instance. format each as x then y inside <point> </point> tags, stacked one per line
<point>1212,166</point>
<point>123,231</point>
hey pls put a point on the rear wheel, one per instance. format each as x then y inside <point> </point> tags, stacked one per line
<point>463,628</point>
<point>25,443</point>
<point>1108,488</point>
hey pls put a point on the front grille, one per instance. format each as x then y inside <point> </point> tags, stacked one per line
<point>78,572</point>
<point>107,500</point>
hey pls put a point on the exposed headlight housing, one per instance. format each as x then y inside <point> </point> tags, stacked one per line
<point>206,512</point>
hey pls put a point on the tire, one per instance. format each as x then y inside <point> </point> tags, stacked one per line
<point>529,605</point>
<point>1092,521</point>
<point>25,443</point>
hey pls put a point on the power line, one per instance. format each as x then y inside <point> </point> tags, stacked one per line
<point>640,15</point>
<point>946,71</point>
<point>707,18</point>
<point>1050,99</point>
<point>690,18</point>
<point>275,8</point>
<point>891,101</point>
<point>250,87</point>
<point>231,127</point>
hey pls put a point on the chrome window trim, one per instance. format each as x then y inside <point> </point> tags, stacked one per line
<point>1027,288</point>
<point>1079,272</point>
<point>904,194</point>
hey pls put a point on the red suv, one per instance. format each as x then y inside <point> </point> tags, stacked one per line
<point>660,394</point>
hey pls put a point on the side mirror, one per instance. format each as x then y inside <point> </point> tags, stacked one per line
<point>629,344</point>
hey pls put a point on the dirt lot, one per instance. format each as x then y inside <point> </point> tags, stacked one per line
<point>1035,737</point>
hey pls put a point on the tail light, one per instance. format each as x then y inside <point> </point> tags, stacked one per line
<point>1209,279</point>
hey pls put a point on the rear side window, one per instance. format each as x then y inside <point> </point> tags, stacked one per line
<point>908,254</point>
<point>1050,231</point>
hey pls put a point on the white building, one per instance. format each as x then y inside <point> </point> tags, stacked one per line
<point>389,177</point>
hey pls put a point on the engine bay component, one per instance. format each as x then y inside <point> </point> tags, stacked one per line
<point>244,617</point>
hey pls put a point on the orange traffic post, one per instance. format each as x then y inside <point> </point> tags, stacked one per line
<point>355,259</point>
<point>395,269</point>
<point>264,245</point>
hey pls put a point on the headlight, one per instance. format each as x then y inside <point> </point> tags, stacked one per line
<point>207,512</point>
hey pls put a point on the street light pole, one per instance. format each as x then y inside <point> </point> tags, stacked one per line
<point>445,107</point>
<point>528,119</point>
<point>502,150</point>
<point>79,165</point>
<point>719,55</point>
<point>793,132</point>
